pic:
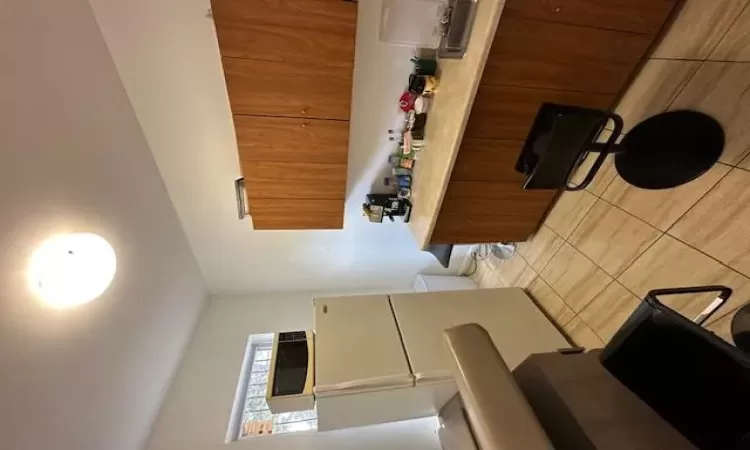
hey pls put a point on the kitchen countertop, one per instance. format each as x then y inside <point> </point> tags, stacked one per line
<point>448,115</point>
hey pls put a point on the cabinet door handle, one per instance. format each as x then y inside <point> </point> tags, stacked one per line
<point>239,188</point>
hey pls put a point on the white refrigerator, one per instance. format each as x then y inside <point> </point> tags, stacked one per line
<point>360,365</point>
<point>382,358</point>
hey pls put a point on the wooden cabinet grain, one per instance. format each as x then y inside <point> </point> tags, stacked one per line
<point>293,31</point>
<point>268,88</point>
<point>635,16</point>
<point>268,179</point>
<point>572,52</point>
<point>532,53</point>
<point>485,211</point>
<point>507,112</point>
<point>295,214</point>
<point>288,70</point>
<point>487,160</point>
<point>291,140</point>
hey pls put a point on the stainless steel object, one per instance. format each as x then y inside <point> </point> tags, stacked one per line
<point>456,24</point>
<point>239,188</point>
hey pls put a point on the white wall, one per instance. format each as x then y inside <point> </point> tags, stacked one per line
<point>168,58</point>
<point>196,413</point>
<point>73,158</point>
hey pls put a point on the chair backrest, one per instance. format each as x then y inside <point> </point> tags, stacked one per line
<point>559,138</point>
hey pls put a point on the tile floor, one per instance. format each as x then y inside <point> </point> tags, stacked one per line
<point>596,256</point>
<point>600,250</point>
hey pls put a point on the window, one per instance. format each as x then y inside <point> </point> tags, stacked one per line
<point>251,416</point>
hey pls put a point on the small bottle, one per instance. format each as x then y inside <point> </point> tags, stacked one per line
<point>403,181</point>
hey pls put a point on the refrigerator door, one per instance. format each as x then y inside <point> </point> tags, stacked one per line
<point>357,347</point>
<point>517,327</point>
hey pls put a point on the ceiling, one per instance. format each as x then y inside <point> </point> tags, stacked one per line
<point>74,159</point>
<point>166,54</point>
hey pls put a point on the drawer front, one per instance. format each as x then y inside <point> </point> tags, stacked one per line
<point>297,214</point>
<point>478,212</point>
<point>533,53</point>
<point>268,88</point>
<point>507,112</point>
<point>297,31</point>
<point>292,140</point>
<point>635,16</point>
<point>487,160</point>
<point>275,180</point>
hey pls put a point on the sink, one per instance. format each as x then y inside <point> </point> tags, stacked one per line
<point>456,22</point>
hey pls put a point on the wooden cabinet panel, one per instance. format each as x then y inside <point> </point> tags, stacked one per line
<point>296,31</point>
<point>292,140</point>
<point>532,53</point>
<point>487,160</point>
<point>636,16</point>
<point>273,180</point>
<point>288,69</point>
<point>507,112</point>
<point>296,214</point>
<point>268,88</point>
<point>474,212</point>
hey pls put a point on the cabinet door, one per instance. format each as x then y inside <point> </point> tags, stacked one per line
<point>487,160</point>
<point>507,112</point>
<point>297,214</point>
<point>292,140</point>
<point>357,345</point>
<point>295,31</point>
<point>294,180</point>
<point>267,88</point>
<point>479,211</point>
<point>533,53</point>
<point>637,16</point>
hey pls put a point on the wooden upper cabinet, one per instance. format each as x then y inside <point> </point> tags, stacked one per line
<point>294,180</point>
<point>288,66</point>
<point>291,140</point>
<point>296,214</point>
<point>294,31</point>
<point>635,16</point>
<point>267,88</point>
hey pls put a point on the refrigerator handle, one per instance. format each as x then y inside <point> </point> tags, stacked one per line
<point>364,384</point>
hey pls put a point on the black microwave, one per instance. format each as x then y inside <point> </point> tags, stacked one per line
<point>292,373</point>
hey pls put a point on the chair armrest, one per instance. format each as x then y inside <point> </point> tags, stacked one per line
<point>499,414</point>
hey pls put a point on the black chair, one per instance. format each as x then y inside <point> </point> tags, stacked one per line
<point>690,377</point>
<point>662,152</point>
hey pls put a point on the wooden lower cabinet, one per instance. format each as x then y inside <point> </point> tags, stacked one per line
<point>571,52</point>
<point>485,211</point>
<point>487,160</point>
<point>297,214</point>
<point>635,16</point>
<point>507,112</point>
<point>531,53</point>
